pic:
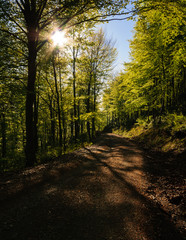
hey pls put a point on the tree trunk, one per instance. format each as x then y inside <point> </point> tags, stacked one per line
<point>165,97</point>
<point>78,114</point>
<point>30,98</point>
<point>74,96</point>
<point>36,104</point>
<point>64,133</point>
<point>52,122</point>
<point>94,109</point>
<point>72,125</point>
<point>88,108</point>
<point>3,129</point>
<point>58,103</point>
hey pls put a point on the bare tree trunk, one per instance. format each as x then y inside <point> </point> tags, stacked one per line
<point>36,104</point>
<point>72,125</point>
<point>30,98</point>
<point>88,108</point>
<point>163,104</point>
<point>52,122</point>
<point>3,130</point>
<point>58,103</point>
<point>74,95</point>
<point>63,112</point>
<point>94,109</point>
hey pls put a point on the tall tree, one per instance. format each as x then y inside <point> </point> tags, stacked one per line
<point>29,21</point>
<point>98,59</point>
<point>153,83</point>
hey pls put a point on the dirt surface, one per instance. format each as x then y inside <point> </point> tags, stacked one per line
<point>101,192</point>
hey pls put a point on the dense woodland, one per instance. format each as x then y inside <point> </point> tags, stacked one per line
<point>53,97</point>
<point>153,84</point>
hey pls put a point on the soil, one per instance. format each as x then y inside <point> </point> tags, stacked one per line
<point>110,190</point>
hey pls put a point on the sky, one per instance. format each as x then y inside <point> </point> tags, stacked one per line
<point>121,32</point>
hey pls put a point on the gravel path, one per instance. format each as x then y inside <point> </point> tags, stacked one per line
<point>95,193</point>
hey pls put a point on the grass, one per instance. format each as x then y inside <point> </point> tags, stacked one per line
<point>168,136</point>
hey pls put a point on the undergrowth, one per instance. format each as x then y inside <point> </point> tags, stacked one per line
<point>16,161</point>
<point>53,153</point>
<point>167,135</point>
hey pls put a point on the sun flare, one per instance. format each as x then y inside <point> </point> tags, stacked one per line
<point>59,38</point>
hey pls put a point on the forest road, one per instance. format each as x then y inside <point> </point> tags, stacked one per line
<point>95,193</point>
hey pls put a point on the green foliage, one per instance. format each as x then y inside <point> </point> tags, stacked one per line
<point>174,122</point>
<point>54,114</point>
<point>27,27</point>
<point>14,162</point>
<point>152,84</point>
<point>162,137</point>
<point>66,94</point>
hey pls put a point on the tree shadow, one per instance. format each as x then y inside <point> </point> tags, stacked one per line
<point>91,200</point>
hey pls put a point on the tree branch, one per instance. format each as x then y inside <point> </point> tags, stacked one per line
<point>14,35</point>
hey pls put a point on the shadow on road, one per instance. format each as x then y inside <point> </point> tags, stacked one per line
<point>94,196</point>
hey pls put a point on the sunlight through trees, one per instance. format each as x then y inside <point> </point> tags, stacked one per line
<point>57,87</point>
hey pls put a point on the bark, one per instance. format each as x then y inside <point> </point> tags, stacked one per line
<point>163,93</point>
<point>88,108</point>
<point>31,17</point>
<point>94,109</point>
<point>36,104</point>
<point>82,127</point>
<point>52,122</point>
<point>74,95</point>
<point>58,103</point>
<point>64,133</point>
<point>30,98</point>
<point>3,129</point>
<point>62,111</point>
<point>78,114</point>
<point>72,125</point>
<point>173,93</point>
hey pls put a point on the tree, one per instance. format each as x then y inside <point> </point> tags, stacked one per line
<point>30,20</point>
<point>97,61</point>
<point>153,82</point>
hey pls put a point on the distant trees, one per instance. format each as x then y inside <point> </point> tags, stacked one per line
<point>97,61</point>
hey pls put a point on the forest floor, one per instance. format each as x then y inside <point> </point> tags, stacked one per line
<point>110,190</point>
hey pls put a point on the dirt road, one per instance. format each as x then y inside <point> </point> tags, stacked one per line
<point>95,193</point>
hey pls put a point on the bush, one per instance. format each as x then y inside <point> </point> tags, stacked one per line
<point>174,122</point>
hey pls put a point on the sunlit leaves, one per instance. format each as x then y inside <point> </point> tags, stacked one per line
<point>152,80</point>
